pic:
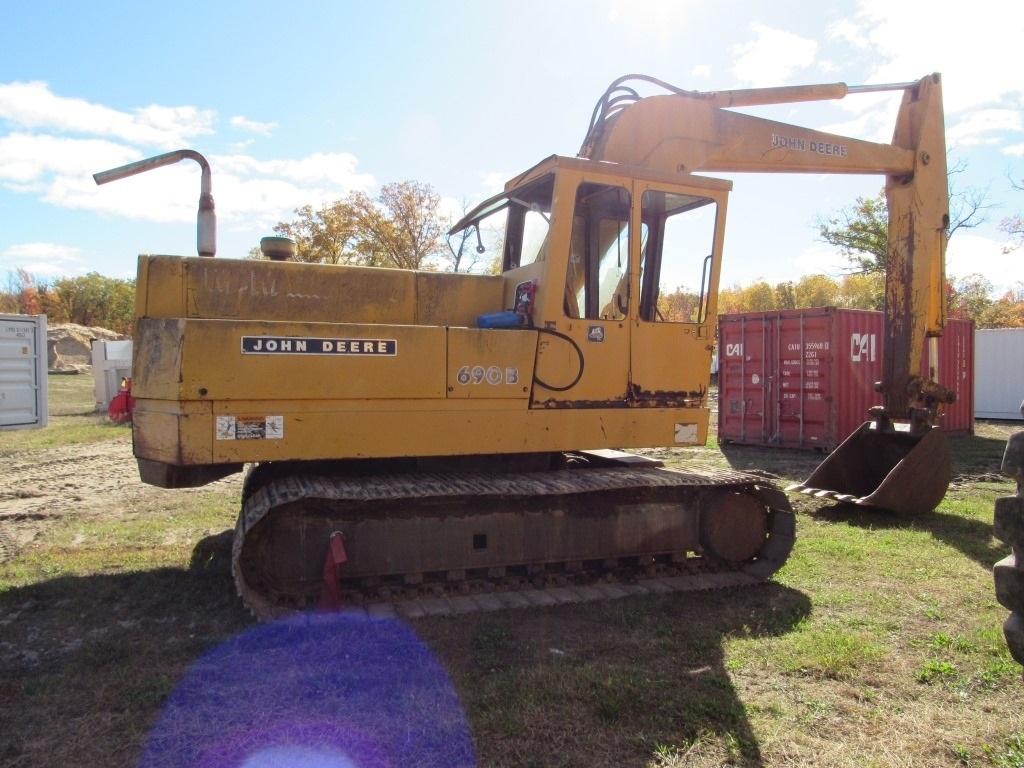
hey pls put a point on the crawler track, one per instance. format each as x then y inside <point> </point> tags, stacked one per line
<point>449,543</point>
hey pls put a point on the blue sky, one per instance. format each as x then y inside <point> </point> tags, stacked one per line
<point>301,103</point>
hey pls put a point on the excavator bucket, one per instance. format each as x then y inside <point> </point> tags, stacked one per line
<point>889,469</point>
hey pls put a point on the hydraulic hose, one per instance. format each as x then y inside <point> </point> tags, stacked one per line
<point>579,355</point>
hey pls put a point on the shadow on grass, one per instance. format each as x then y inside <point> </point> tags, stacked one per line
<point>783,462</point>
<point>974,454</point>
<point>613,683</point>
<point>87,663</point>
<point>972,538</point>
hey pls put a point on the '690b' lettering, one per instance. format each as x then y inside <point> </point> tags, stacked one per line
<point>491,374</point>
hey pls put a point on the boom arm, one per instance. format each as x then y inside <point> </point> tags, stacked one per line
<point>688,131</point>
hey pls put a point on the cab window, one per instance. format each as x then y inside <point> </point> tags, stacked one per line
<point>675,268</point>
<point>597,277</point>
<point>528,225</point>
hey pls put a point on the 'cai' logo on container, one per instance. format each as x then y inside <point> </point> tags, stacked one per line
<point>862,347</point>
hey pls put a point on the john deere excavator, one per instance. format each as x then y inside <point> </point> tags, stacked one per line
<point>459,435</point>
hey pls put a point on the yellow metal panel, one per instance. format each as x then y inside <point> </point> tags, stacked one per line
<point>274,290</point>
<point>490,363</point>
<point>601,351</point>
<point>333,433</point>
<point>214,367</point>
<point>446,298</point>
<point>141,284</point>
<point>156,358</point>
<point>173,433</point>
<point>161,285</point>
<point>669,361</point>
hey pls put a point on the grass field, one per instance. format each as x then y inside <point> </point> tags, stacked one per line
<point>878,644</point>
<point>73,419</point>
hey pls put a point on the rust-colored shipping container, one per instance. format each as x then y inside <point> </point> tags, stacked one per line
<point>804,378</point>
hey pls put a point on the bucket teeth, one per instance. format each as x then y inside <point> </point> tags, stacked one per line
<point>896,471</point>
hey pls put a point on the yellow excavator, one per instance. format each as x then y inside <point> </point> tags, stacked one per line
<point>461,435</point>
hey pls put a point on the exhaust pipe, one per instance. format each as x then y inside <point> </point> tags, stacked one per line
<point>206,221</point>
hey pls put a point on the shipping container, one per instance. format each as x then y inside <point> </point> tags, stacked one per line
<point>998,373</point>
<point>805,378</point>
<point>111,362</point>
<point>22,371</point>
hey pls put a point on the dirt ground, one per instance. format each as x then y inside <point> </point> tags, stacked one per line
<point>97,481</point>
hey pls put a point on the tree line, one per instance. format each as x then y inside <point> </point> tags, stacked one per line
<point>91,299</point>
<point>969,297</point>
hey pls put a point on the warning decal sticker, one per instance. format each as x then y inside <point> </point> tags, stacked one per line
<point>250,427</point>
<point>304,345</point>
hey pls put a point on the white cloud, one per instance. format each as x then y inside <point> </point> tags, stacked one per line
<point>34,106</point>
<point>976,126</point>
<point>452,209</point>
<point>59,171</point>
<point>38,158</point>
<point>977,50</point>
<point>873,125</point>
<point>335,168</point>
<point>28,157</point>
<point>701,70</point>
<point>968,253</point>
<point>818,259</point>
<point>43,259</point>
<point>253,126</point>
<point>772,56</point>
<point>662,20</point>
<point>844,29</point>
<point>1016,150</point>
<point>492,182</point>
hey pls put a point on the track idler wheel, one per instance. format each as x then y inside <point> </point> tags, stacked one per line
<point>734,527</point>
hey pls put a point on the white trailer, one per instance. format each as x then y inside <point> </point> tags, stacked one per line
<point>111,362</point>
<point>998,373</point>
<point>23,401</point>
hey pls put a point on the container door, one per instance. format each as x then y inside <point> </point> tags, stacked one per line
<point>19,373</point>
<point>803,351</point>
<point>744,376</point>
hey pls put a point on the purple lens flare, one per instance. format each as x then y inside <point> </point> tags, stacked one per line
<point>312,691</point>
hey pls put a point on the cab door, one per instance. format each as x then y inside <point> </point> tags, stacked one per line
<point>681,232</point>
<point>583,359</point>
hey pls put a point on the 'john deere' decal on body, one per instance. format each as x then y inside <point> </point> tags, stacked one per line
<point>303,345</point>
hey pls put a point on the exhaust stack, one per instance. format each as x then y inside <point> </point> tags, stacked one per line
<point>206,220</point>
